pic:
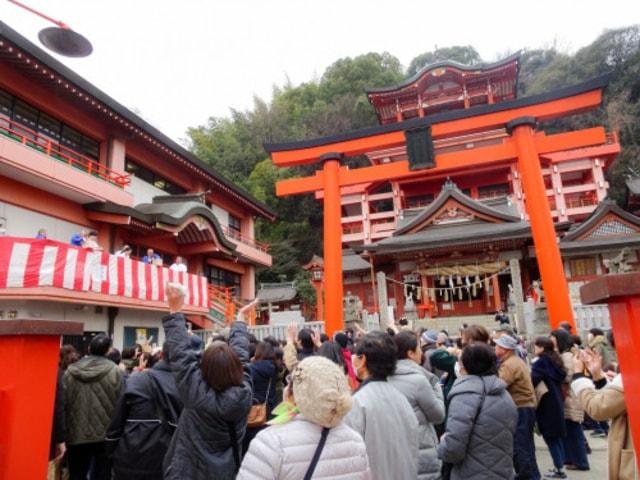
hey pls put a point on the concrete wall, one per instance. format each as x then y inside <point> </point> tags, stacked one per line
<point>20,222</point>
<point>143,192</point>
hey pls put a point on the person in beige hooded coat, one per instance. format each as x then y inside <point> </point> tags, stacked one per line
<point>605,401</point>
<point>320,391</point>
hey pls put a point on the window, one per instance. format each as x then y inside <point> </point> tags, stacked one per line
<point>581,267</point>
<point>493,191</point>
<point>148,176</point>
<point>419,201</point>
<point>234,223</point>
<point>224,278</point>
<point>38,121</point>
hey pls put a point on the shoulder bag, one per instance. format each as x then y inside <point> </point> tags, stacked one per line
<point>258,414</point>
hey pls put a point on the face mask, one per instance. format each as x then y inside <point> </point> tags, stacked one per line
<point>355,369</point>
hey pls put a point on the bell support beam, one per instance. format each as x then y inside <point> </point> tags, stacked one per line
<point>481,156</point>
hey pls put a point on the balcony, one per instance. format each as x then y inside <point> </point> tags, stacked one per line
<point>248,247</point>
<point>47,270</point>
<point>36,160</point>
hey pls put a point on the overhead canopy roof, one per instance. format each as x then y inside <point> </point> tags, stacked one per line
<point>185,215</point>
<point>276,292</point>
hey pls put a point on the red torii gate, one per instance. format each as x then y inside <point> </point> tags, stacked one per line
<point>524,145</point>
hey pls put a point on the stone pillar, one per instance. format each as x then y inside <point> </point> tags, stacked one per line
<point>516,283</point>
<point>383,301</point>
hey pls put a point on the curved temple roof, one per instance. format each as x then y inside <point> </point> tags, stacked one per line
<point>478,67</point>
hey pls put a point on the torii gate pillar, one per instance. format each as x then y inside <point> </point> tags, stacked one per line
<point>545,242</point>
<point>333,312</point>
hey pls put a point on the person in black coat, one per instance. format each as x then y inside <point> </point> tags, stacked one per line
<point>217,395</point>
<point>144,421</point>
<point>264,375</point>
<point>57,445</point>
<point>547,372</point>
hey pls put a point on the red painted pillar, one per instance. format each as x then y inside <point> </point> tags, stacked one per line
<point>333,320</point>
<point>622,293</point>
<point>30,350</point>
<point>544,235</point>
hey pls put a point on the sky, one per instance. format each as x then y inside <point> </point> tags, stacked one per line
<point>177,63</point>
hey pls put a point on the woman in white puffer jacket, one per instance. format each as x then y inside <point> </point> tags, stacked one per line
<point>320,392</point>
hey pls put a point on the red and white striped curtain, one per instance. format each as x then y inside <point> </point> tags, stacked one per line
<point>26,263</point>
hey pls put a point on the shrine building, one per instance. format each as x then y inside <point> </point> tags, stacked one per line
<point>72,158</point>
<point>458,243</point>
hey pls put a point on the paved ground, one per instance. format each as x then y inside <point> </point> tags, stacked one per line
<point>597,459</point>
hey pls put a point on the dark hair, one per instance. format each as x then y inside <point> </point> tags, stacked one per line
<point>273,341</point>
<point>563,338</point>
<point>333,352</point>
<point>380,351</point>
<point>264,351</point>
<point>99,345</point>
<point>611,338</point>
<point>341,339</point>
<point>324,337</point>
<point>577,340</point>
<point>479,359</point>
<point>68,355</point>
<point>548,351</point>
<point>405,342</point>
<point>596,332</point>
<point>566,326</point>
<point>218,338</point>
<point>114,355</point>
<point>403,322</point>
<point>391,332</point>
<point>221,367</point>
<point>93,233</point>
<point>475,334</point>
<point>305,338</point>
<point>147,359</point>
<point>129,353</point>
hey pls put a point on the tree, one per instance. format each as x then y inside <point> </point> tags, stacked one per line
<point>466,55</point>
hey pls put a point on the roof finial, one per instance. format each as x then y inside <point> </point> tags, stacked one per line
<point>449,185</point>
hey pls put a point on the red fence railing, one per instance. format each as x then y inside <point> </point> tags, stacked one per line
<point>44,144</point>
<point>252,242</point>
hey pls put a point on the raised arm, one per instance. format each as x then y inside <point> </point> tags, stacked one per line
<point>182,359</point>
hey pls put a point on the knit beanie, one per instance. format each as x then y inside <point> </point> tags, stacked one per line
<point>321,391</point>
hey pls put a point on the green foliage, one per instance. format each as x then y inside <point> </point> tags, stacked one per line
<point>337,102</point>
<point>467,55</point>
<point>305,289</point>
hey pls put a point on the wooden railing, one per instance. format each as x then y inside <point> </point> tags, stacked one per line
<point>252,242</point>
<point>44,144</point>
<point>224,305</point>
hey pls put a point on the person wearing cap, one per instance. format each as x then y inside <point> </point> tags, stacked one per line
<point>429,344</point>
<point>317,399</point>
<point>514,372</point>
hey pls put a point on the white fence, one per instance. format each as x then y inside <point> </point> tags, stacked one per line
<point>592,316</point>
<point>279,332</point>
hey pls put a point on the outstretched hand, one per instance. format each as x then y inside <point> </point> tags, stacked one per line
<point>593,361</point>
<point>175,297</point>
<point>292,333</point>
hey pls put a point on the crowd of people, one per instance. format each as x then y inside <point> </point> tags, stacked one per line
<point>398,404</point>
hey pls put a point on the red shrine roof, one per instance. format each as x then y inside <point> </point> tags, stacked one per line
<point>445,86</point>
